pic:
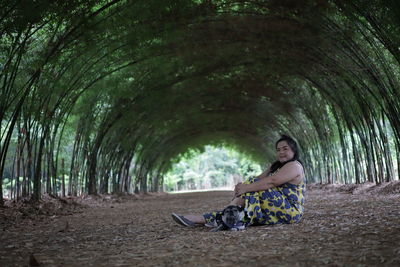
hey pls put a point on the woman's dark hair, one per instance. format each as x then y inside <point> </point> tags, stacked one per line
<point>293,145</point>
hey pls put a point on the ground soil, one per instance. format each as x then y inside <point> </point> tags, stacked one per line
<point>342,226</point>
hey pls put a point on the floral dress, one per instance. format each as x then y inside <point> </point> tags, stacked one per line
<point>281,204</point>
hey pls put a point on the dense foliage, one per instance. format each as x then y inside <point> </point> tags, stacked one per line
<point>107,95</point>
<point>214,168</point>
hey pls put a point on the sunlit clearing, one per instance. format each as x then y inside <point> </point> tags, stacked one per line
<point>216,168</point>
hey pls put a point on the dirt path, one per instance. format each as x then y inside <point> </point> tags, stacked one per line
<point>338,229</point>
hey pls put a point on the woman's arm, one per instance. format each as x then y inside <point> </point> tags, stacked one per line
<point>264,174</point>
<point>256,185</point>
<point>260,185</point>
<point>290,172</point>
<point>287,173</point>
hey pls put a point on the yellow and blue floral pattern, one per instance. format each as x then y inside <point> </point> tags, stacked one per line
<point>278,205</point>
<point>281,204</point>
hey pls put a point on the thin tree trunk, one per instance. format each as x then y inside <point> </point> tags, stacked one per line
<point>356,159</point>
<point>62,178</point>
<point>19,148</point>
<point>46,162</point>
<point>37,183</point>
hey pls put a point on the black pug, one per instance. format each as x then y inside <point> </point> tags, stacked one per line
<point>231,218</point>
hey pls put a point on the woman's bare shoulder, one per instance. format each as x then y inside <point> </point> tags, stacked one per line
<point>294,164</point>
<point>295,170</point>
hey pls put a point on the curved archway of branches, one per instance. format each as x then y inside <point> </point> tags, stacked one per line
<point>106,95</point>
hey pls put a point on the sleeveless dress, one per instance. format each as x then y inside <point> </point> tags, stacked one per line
<point>277,205</point>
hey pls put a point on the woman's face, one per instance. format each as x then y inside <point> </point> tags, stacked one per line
<point>284,152</point>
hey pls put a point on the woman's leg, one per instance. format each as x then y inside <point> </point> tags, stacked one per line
<point>237,201</point>
<point>195,218</point>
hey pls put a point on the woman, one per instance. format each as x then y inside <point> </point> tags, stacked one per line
<point>276,196</point>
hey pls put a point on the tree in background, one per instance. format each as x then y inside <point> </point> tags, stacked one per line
<point>215,167</point>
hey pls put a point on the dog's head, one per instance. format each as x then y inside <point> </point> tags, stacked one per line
<point>232,216</point>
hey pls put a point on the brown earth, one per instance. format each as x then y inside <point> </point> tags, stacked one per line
<point>343,226</point>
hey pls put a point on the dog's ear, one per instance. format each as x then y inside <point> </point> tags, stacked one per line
<point>218,218</point>
<point>240,208</point>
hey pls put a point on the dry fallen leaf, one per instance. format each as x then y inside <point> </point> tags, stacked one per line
<point>33,261</point>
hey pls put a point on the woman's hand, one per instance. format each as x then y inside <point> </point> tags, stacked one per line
<point>240,189</point>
